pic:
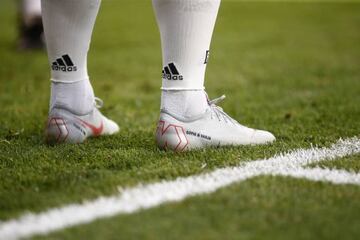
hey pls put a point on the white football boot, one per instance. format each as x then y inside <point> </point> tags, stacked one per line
<point>213,128</point>
<point>66,126</point>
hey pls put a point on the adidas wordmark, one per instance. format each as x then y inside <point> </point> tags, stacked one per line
<point>64,64</point>
<point>170,72</point>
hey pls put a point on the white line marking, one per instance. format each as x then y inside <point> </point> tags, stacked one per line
<point>151,195</point>
<point>321,174</point>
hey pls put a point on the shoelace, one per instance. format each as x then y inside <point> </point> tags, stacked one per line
<point>219,112</point>
<point>98,102</point>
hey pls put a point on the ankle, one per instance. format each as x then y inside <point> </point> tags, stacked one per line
<point>74,96</point>
<point>184,103</point>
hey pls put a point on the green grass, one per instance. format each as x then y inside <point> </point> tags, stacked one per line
<point>261,208</point>
<point>351,163</point>
<point>291,68</point>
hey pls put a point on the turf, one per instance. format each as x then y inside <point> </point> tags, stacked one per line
<point>291,68</point>
<point>261,208</point>
<point>351,164</point>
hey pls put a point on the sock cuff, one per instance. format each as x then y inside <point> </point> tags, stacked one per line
<point>68,81</point>
<point>181,89</point>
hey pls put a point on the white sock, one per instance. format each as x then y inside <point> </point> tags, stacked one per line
<point>68,26</point>
<point>186,28</point>
<point>186,104</point>
<point>63,95</point>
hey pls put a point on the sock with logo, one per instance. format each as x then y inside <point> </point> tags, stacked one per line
<point>68,26</point>
<point>186,28</point>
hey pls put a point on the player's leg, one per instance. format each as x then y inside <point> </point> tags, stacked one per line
<point>73,115</point>
<point>30,29</point>
<point>188,120</point>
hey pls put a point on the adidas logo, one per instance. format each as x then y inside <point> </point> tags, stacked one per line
<point>64,64</point>
<point>170,72</point>
<point>207,54</point>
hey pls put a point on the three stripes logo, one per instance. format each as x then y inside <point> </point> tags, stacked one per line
<point>207,55</point>
<point>170,72</point>
<point>64,64</point>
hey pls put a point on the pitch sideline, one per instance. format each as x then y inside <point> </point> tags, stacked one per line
<point>151,195</point>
